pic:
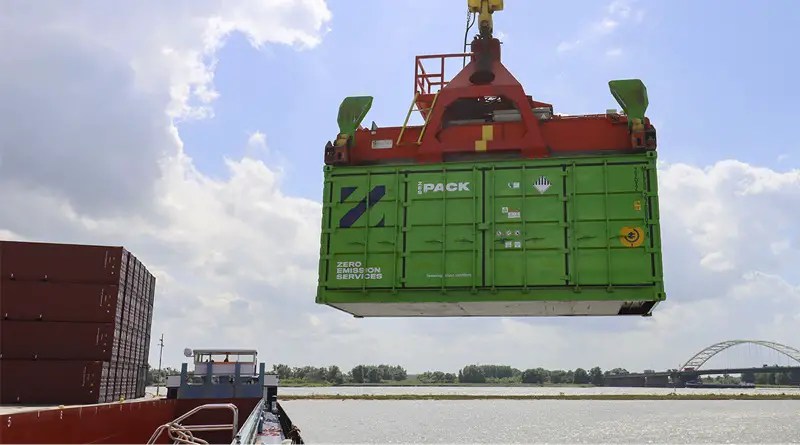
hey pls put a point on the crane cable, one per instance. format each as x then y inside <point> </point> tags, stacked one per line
<point>473,15</point>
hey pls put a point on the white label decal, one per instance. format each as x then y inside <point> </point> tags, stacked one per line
<point>542,184</point>
<point>449,275</point>
<point>426,187</point>
<point>379,144</point>
<point>354,270</point>
<point>513,185</point>
<point>513,214</point>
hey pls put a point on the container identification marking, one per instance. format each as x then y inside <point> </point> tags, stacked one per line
<point>511,213</point>
<point>425,187</point>
<point>382,144</point>
<point>354,270</point>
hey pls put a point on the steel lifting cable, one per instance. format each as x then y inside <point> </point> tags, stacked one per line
<point>472,17</point>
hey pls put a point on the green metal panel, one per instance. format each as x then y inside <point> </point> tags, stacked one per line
<point>552,236</point>
<point>361,236</point>
<point>527,225</point>
<point>609,202</point>
<point>443,246</point>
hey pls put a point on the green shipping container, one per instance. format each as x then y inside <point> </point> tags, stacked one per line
<point>544,237</point>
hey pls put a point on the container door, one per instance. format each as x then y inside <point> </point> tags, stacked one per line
<point>443,236</point>
<point>526,243</point>
<point>614,238</point>
<point>361,232</point>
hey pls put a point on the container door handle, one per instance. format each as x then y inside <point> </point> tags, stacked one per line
<point>385,242</point>
<point>535,238</point>
<point>586,237</point>
<point>434,241</point>
<point>361,243</point>
<point>465,240</point>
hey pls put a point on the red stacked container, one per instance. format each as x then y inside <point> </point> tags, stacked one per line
<point>74,323</point>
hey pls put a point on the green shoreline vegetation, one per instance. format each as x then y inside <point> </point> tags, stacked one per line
<point>610,397</point>
<point>473,375</point>
<point>488,375</point>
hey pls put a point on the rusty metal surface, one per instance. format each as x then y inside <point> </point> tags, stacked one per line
<point>31,340</point>
<point>48,301</point>
<point>67,382</point>
<point>59,262</point>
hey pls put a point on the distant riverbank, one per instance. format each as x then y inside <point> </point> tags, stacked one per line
<point>415,383</point>
<point>669,396</point>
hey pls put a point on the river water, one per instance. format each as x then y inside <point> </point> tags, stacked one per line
<point>553,421</point>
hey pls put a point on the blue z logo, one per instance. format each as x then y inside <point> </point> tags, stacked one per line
<point>369,201</point>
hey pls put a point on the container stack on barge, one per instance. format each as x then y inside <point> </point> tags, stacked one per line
<point>74,343</point>
<point>75,325</point>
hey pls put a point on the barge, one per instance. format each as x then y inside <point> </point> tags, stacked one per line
<point>216,402</point>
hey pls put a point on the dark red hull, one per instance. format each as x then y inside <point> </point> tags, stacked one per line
<point>116,423</point>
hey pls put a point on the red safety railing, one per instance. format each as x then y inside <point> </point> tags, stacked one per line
<point>430,83</point>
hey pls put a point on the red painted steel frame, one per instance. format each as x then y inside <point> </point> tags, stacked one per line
<point>528,137</point>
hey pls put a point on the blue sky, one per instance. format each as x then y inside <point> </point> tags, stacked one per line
<point>94,95</point>
<point>721,78</point>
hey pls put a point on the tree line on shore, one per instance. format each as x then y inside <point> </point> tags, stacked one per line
<point>496,374</point>
<point>474,374</point>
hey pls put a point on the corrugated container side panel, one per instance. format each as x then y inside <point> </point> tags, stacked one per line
<point>374,231</point>
<point>443,244</point>
<point>141,327</point>
<point>105,384</point>
<point>129,304</point>
<point>609,204</point>
<point>50,382</point>
<point>48,301</point>
<point>28,340</point>
<point>545,225</point>
<point>60,262</point>
<point>140,382</point>
<point>526,237</point>
<point>119,338</point>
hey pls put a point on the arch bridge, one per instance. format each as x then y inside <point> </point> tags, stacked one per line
<point>703,356</point>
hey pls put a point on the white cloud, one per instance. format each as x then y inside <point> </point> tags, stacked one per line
<point>617,13</point>
<point>90,154</point>
<point>257,139</point>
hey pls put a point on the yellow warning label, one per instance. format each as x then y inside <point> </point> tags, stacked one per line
<point>637,205</point>
<point>631,236</point>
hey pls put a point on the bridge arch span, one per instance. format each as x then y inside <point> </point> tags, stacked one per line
<point>703,356</point>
